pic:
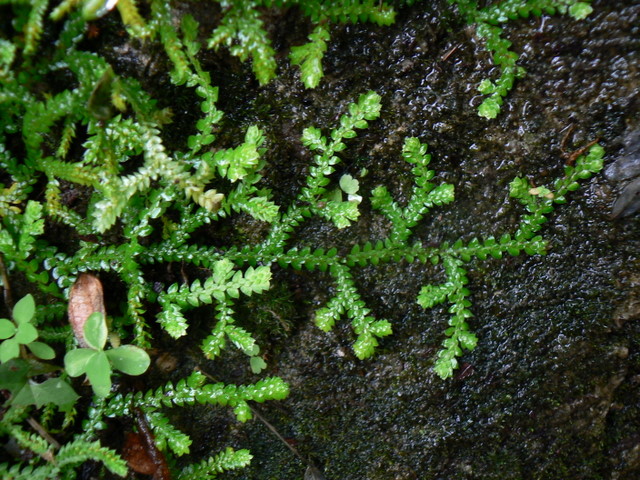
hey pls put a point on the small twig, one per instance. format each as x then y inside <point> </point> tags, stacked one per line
<point>572,156</point>
<point>277,434</point>
<point>575,154</point>
<point>156,456</point>
<point>446,56</point>
<point>273,429</point>
<point>43,433</point>
<point>565,139</point>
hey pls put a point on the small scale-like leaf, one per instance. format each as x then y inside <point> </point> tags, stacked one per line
<point>257,364</point>
<point>445,365</point>
<point>489,108</point>
<point>364,346</point>
<point>243,412</point>
<point>580,10</point>
<point>349,185</point>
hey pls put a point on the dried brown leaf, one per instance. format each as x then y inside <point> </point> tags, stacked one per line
<point>86,297</point>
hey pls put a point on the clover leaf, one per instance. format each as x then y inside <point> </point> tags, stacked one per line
<point>21,331</point>
<point>98,363</point>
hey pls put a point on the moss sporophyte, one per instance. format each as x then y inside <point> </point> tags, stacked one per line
<point>101,138</point>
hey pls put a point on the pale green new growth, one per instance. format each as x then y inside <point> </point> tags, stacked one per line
<point>309,57</point>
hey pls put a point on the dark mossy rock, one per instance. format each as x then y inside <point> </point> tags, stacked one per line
<point>551,391</point>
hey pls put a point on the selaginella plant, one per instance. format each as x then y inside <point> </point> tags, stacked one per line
<point>487,22</point>
<point>102,136</point>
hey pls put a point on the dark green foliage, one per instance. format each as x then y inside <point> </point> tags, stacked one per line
<point>242,31</point>
<point>208,469</point>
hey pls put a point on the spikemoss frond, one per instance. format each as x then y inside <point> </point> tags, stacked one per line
<point>229,459</point>
<point>242,31</point>
<point>487,21</point>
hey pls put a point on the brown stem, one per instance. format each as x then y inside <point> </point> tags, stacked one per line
<point>273,430</point>
<point>8,300</point>
<point>43,433</point>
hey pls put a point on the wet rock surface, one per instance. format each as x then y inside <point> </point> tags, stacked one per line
<point>551,390</point>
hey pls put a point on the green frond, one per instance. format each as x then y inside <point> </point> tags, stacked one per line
<point>132,18</point>
<point>168,436</point>
<point>33,28</point>
<point>7,56</point>
<point>309,57</point>
<point>208,469</point>
<point>194,389</point>
<point>348,300</point>
<point>28,441</point>
<point>79,451</point>
<point>487,20</point>
<point>225,282</point>
<point>352,11</point>
<point>148,198</point>
<point>424,195</point>
<point>241,30</point>
<point>19,471</point>
<point>340,213</point>
<point>162,16</point>
<point>64,8</point>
